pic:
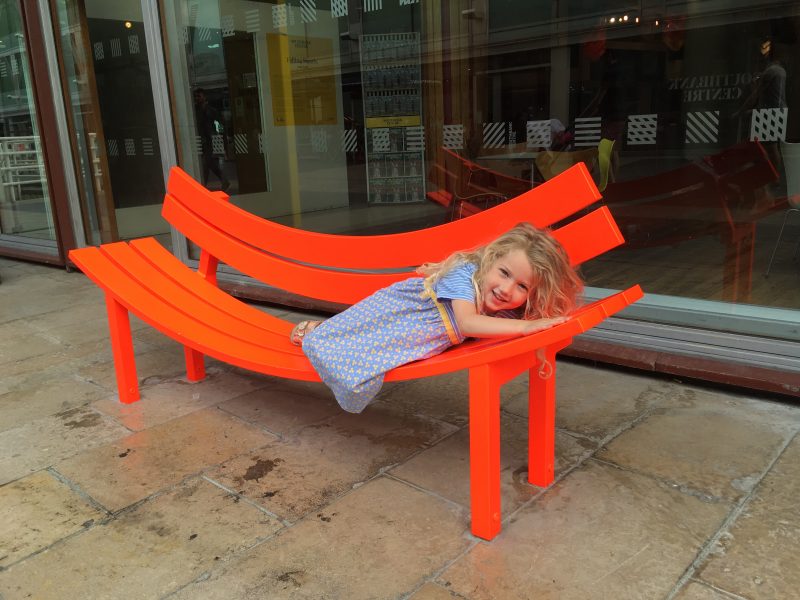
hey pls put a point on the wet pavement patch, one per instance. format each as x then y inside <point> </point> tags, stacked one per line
<point>290,577</point>
<point>260,469</point>
<point>82,418</point>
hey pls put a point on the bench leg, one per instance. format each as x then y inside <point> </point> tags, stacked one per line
<point>195,364</point>
<point>119,326</point>
<point>484,451</point>
<point>542,425</point>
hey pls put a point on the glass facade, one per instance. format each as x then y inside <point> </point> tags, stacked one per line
<point>105,75</point>
<point>401,114</point>
<point>25,209</point>
<point>379,116</point>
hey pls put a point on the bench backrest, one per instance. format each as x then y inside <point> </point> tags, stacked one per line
<point>327,266</point>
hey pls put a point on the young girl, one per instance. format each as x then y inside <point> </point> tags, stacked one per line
<point>518,284</point>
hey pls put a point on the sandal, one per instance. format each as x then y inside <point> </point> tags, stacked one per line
<point>301,330</point>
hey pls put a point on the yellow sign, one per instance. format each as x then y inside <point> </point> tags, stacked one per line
<point>407,121</point>
<point>302,80</point>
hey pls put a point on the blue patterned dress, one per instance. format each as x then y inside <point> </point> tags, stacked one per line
<point>394,326</point>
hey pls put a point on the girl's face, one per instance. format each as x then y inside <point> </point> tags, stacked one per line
<point>507,283</point>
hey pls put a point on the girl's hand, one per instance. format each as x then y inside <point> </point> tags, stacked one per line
<point>541,324</point>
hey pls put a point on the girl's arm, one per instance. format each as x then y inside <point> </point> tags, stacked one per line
<point>472,324</point>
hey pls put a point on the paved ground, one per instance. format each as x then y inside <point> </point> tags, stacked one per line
<point>246,486</point>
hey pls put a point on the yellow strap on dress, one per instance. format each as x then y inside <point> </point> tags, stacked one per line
<point>448,325</point>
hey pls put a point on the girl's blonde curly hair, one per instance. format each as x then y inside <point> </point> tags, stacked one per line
<point>556,285</point>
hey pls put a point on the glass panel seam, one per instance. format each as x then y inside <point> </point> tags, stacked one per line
<point>61,118</point>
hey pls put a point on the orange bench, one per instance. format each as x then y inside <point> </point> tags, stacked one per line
<point>144,278</point>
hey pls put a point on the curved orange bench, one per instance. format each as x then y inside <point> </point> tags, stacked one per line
<point>144,278</point>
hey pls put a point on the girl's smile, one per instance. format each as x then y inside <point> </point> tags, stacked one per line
<point>508,283</point>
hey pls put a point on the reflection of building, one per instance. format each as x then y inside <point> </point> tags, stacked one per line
<point>334,115</point>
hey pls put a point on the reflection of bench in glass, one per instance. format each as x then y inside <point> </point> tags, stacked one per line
<point>467,188</point>
<point>790,154</point>
<point>550,163</point>
<point>144,278</point>
<point>719,195</point>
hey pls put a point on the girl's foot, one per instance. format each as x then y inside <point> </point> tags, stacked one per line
<point>300,331</point>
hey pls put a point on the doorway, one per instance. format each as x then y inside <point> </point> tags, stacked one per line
<point>105,75</point>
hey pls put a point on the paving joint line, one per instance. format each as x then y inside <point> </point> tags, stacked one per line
<point>85,527</point>
<point>253,503</point>
<point>82,530</point>
<point>78,490</point>
<point>260,426</point>
<point>673,485</point>
<point>428,492</point>
<point>588,455</point>
<point>722,591</point>
<point>732,517</point>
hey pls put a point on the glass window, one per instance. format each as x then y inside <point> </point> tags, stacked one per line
<point>25,209</point>
<point>109,96</point>
<point>384,116</point>
<point>301,113</point>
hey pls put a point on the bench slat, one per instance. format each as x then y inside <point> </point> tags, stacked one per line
<point>589,236</point>
<point>236,321</point>
<point>160,257</point>
<point>271,357</point>
<point>182,327</point>
<point>334,286</point>
<point>543,206</point>
<point>584,238</point>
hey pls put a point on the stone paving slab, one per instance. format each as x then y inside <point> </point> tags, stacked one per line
<point>21,279</point>
<point>39,299</point>
<point>159,364</point>
<point>145,553</point>
<point>444,468</point>
<point>283,409</point>
<point>699,591</point>
<point>177,397</point>
<point>444,397</point>
<point>66,360</point>
<point>136,466</point>
<point>713,444</point>
<point>600,533</point>
<point>37,511</point>
<point>310,469</point>
<point>594,401</point>
<point>345,530</point>
<point>758,556</point>
<point>383,540</point>
<point>431,591</point>
<point>46,441</point>
<point>34,400</point>
<point>82,323</point>
<point>20,341</point>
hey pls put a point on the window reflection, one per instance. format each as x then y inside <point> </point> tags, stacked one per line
<point>109,97</point>
<point>24,197</point>
<point>407,114</point>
